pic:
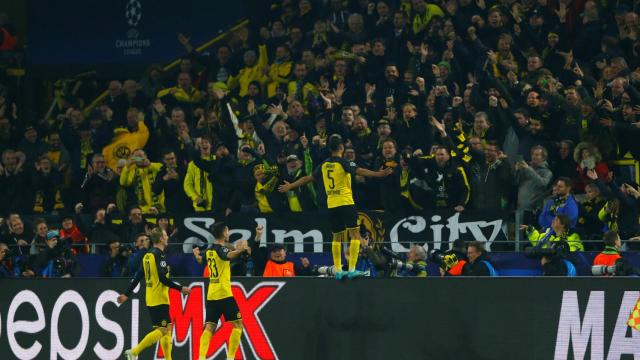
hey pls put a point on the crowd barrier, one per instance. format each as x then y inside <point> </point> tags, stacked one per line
<point>507,263</point>
<point>308,234</point>
<point>459,318</point>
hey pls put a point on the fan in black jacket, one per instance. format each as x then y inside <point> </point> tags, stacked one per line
<point>444,182</point>
<point>169,180</point>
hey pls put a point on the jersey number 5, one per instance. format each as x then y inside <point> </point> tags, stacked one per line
<point>333,182</point>
<point>213,268</point>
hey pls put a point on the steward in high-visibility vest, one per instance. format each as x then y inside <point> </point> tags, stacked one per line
<point>277,265</point>
<point>611,254</point>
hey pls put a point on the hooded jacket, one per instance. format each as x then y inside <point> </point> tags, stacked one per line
<point>532,185</point>
<point>594,161</point>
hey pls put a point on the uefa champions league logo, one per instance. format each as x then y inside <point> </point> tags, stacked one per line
<point>133,12</point>
<point>135,42</point>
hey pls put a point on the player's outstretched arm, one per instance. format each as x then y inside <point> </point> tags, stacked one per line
<point>296,184</point>
<point>368,173</point>
<point>124,296</point>
<point>240,248</point>
<point>165,281</point>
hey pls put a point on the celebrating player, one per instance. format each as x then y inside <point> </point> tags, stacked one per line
<point>336,174</point>
<point>220,299</point>
<point>156,274</point>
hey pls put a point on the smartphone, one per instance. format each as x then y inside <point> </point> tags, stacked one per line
<point>519,158</point>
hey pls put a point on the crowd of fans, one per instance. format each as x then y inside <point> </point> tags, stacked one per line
<point>476,105</point>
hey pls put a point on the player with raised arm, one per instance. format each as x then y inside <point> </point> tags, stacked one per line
<point>336,175</point>
<point>220,300</point>
<point>155,270</point>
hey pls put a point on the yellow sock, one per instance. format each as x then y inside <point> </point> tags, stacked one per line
<point>354,250</point>
<point>336,251</point>
<point>166,342</point>
<point>234,342</point>
<point>148,340</point>
<point>204,343</point>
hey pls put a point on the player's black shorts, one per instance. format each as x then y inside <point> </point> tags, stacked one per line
<point>159,315</point>
<point>342,218</point>
<point>227,307</point>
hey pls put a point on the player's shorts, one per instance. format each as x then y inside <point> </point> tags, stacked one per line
<point>227,307</point>
<point>342,218</point>
<point>159,315</point>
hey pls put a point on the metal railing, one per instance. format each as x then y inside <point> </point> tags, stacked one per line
<point>96,247</point>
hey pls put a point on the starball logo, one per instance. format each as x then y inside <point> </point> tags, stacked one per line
<point>134,44</point>
<point>188,315</point>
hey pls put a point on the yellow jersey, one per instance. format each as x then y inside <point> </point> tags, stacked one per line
<point>156,274</point>
<point>219,273</point>
<point>336,175</point>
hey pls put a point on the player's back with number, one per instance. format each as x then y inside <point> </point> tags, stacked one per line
<point>337,174</point>
<point>154,265</point>
<point>219,273</point>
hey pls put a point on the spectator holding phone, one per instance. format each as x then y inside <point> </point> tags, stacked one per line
<point>138,175</point>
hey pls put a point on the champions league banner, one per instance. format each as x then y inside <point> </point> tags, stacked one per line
<point>319,319</point>
<point>122,31</point>
<point>309,232</point>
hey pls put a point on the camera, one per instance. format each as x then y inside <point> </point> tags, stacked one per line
<point>444,259</point>
<point>396,262</point>
<point>59,265</point>
<point>620,268</point>
<point>604,270</point>
<point>62,266</point>
<point>125,248</point>
<point>398,265</point>
<point>556,248</point>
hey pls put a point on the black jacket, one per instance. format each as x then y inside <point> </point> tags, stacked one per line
<point>12,239</point>
<point>175,200</point>
<point>447,186</point>
<point>390,186</point>
<point>478,267</point>
<point>490,183</point>
<point>222,174</point>
<point>114,266</point>
<point>555,267</point>
<point>97,233</point>
<point>99,190</point>
<point>627,215</point>
<point>129,231</point>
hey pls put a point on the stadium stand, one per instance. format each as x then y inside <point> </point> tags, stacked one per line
<point>527,112</point>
